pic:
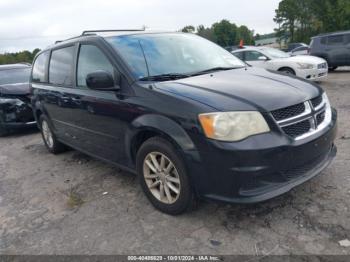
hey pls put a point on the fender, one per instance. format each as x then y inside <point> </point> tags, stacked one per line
<point>164,125</point>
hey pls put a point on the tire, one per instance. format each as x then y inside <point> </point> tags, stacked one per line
<point>157,148</point>
<point>3,131</point>
<point>287,71</point>
<point>49,138</point>
<point>332,68</point>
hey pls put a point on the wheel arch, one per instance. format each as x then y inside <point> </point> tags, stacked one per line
<point>286,67</point>
<point>151,125</point>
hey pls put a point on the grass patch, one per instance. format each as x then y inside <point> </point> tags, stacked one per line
<point>74,199</point>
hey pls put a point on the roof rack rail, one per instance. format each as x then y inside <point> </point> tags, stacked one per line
<point>87,32</point>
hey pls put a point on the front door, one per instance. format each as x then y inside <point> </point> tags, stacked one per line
<point>256,59</point>
<point>99,117</point>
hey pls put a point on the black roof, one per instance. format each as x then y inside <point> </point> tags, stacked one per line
<point>333,33</point>
<point>14,66</point>
<point>111,32</point>
<point>103,33</point>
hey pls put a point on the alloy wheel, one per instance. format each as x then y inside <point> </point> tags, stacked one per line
<point>161,177</point>
<point>47,134</point>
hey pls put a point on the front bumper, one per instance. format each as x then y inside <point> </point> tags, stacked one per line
<point>262,167</point>
<point>15,114</point>
<point>313,74</point>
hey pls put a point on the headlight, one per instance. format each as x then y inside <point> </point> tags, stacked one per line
<point>233,126</point>
<point>328,116</point>
<point>13,101</point>
<point>305,66</point>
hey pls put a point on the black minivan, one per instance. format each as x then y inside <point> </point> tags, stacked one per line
<point>188,117</point>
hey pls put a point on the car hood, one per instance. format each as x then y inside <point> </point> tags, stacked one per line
<point>302,59</point>
<point>243,89</point>
<point>15,89</point>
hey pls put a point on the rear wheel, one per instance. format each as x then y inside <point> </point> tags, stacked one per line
<point>163,177</point>
<point>51,143</point>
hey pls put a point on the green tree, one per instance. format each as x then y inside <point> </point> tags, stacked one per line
<point>206,32</point>
<point>302,19</point>
<point>246,35</point>
<point>188,29</point>
<point>225,33</point>
<point>18,57</point>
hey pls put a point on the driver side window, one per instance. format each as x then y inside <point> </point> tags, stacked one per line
<point>253,56</point>
<point>91,59</point>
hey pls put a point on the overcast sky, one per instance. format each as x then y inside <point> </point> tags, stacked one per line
<point>27,24</point>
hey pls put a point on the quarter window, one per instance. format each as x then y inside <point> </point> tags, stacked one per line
<point>61,66</point>
<point>39,68</point>
<point>335,40</point>
<point>91,59</point>
<point>347,41</point>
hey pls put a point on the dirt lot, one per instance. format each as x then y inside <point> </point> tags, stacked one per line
<point>59,205</point>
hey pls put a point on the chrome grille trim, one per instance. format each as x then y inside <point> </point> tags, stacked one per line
<point>291,120</point>
<point>309,114</point>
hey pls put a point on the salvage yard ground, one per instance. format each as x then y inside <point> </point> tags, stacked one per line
<point>73,204</point>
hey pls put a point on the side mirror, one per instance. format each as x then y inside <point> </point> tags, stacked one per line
<point>101,80</point>
<point>262,58</point>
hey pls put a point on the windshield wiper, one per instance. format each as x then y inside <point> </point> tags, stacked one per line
<point>164,77</point>
<point>213,69</point>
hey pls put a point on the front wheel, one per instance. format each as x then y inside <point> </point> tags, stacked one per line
<point>3,130</point>
<point>287,71</point>
<point>163,177</point>
<point>51,143</point>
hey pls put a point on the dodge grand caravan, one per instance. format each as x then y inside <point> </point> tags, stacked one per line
<point>188,117</point>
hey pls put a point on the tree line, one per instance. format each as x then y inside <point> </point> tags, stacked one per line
<point>224,33</point>
<point>299,20</point>
<point>18,57</point>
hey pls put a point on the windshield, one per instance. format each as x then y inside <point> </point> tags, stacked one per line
<point>14,76</point>
<point>173,53</point>
<point>275,53</point>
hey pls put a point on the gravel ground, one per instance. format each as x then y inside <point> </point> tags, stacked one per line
<point>59,205</point>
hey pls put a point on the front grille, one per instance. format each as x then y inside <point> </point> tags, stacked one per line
<point>288,112</point>
<point>322,66</point>
<point>316,101</point>
<point>297,129</point>
<point>320,118</point>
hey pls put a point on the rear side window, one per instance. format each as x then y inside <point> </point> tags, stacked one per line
<point>91,59</point>
<point>61,66</point>
<point>323,40</point>
<point>239,55</point>
<point>336,40</point>
<point>39,68</point>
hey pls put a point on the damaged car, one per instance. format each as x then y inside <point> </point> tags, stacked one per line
<point>15,107</point>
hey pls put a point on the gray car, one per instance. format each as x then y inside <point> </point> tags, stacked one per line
<point>333,47</point>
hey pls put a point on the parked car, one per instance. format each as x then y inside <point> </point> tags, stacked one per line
<point>301,50</point>
<point>184,114</point>
<point>307,67</point>
<point>15,106</point>
<point>333,47</point>
<point>292,46</point>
